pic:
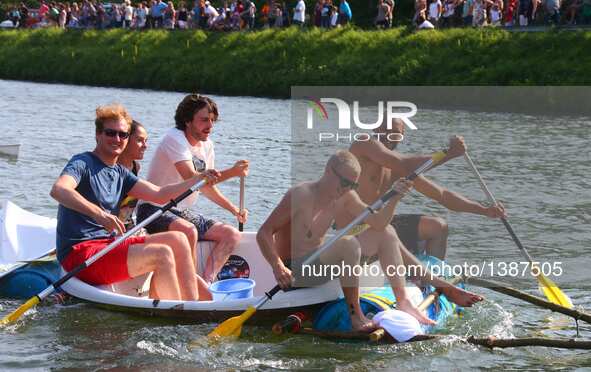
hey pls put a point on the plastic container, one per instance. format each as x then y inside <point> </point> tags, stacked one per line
<point>232,289</point>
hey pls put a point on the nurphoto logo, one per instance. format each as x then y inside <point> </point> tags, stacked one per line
<point>387,111</point>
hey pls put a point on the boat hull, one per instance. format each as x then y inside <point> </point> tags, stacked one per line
<point>132,296</point>
<point>261,317</point>
<point>9,150</point>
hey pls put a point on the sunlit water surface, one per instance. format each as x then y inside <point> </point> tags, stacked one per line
<point>538,166</point>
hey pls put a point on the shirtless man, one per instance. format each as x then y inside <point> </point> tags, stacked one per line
<point>381,166</point>
<point>379,239</point>
<point>297,226</point>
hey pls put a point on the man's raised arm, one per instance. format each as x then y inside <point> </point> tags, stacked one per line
<point>239,169</point>
<point>145,190</point>
<point>454,201</point>
<point>403,165</point>
<point>381,219</point>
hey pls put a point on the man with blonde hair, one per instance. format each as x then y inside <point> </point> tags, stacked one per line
<point>297,226</point>
<point>89,190</point>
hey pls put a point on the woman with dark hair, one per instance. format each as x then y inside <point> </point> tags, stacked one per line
<point>135,149</point>
<point>129,158</point>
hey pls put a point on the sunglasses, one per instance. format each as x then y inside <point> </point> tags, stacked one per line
<point>345,182</point>
<point>113,133</point>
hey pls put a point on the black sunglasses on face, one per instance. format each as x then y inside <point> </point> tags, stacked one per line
<point>114,133</point>
<point>345,182</point>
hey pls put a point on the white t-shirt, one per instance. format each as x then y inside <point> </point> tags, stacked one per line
<point>211,12</point>
<point>128,13</point>
<point>174,148</point>
<point>449,9</point>
<point>334,19</point>
<point>434,9</point>
<point>300,11</point>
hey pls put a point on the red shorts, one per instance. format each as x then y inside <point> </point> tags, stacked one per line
<point>111,268</point>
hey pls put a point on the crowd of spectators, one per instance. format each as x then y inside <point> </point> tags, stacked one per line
<point>141,15</point>
<point>430,14</point>
<point>229,15</point>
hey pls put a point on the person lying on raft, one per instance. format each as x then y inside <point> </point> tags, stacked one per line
<point>297,226</point>
<point>185,151</point>
<point>89,190</point>
<point>381,166</point>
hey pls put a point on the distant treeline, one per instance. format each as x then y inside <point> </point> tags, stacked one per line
<point>269,62</point>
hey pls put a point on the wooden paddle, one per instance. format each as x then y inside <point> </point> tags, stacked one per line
<point>546,286</point>
<point>538,301</point>
<point>12,317</point>
<point>233,326</point>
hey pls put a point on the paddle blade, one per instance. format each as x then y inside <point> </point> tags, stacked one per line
<point>233,326</point>
<point>438,156</point>
<point>553,293</point>
<point>13,317</point>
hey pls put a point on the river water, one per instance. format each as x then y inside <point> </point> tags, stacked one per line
<point>538,166</point>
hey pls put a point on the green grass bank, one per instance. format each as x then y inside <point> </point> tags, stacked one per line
<point>268,63</point>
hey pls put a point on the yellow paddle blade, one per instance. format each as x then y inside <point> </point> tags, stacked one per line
<point>232,326</point>
<point>13,317</point>
<point>553,293</point>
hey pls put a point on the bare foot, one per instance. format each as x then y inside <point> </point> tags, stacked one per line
<point>362,324</point>
<point>460,296</point>
<point>409,308</point>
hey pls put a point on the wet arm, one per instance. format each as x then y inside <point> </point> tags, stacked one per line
<point>449,199</point>
<point>401,165</point>
<point>145,190</point>
<point>378,220</point>
<point>187,170</point>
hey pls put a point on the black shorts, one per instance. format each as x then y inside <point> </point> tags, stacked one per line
<point>407,228</point>
<point>163,222</point>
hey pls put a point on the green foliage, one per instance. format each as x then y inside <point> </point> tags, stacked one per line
<point>269,62</point>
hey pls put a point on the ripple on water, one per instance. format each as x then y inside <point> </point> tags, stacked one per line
<point>538,168</point>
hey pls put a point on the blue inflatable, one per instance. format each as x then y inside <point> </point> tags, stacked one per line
<point>29,280</point>
<point>334,316</point>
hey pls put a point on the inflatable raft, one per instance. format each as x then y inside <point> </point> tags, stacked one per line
<point>32,235</point>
